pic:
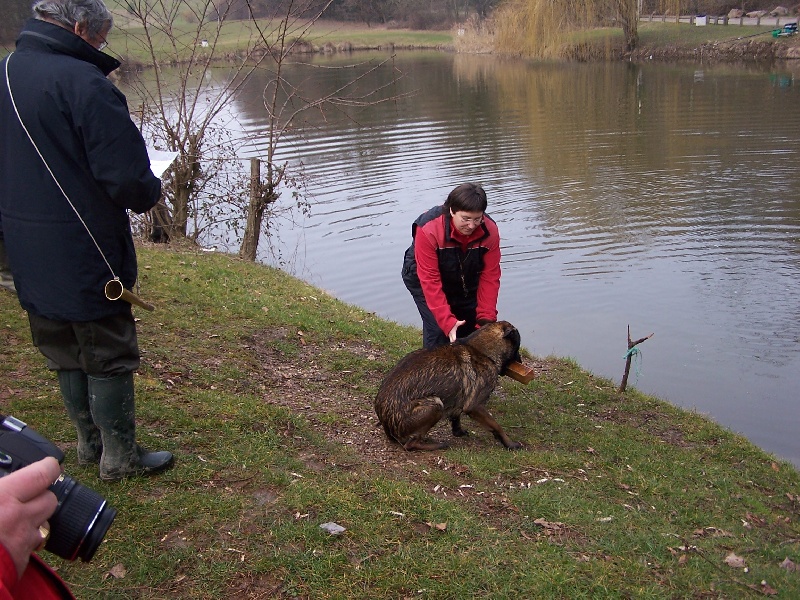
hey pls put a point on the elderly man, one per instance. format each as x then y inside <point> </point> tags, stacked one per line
<point>71,163</point>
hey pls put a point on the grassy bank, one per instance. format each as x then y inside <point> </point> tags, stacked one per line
<point>661,40</point>
<point>237,36</point>
<point>674,42</point>
<point>262,386</point>
<point>657,40</point>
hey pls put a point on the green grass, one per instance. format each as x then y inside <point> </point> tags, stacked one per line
<point>672,41</point>
<point>262,386</point>
<point>127,37</point>
<point>684,34</point>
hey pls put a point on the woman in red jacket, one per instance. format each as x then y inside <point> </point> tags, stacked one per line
<point>25,505</point>
<point>452,267</point>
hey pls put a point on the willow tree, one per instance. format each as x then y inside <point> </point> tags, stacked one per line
<point>541,28</point>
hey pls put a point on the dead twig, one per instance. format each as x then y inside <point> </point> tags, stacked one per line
<point>631,351</point>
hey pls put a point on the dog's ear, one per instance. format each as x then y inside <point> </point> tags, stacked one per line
<point>508,329</point>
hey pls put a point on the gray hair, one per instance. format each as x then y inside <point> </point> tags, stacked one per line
<point>93,14</point>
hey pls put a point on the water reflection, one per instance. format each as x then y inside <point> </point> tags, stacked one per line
<point>665,197</point>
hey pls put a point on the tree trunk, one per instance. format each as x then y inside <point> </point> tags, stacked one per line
<point>187,173</point>
<point>628,11</point>
<point>261,195</point>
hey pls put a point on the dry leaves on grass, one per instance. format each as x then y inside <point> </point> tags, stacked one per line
<point>789,565</point>
<point>737,562</point>
<point>118,571</point>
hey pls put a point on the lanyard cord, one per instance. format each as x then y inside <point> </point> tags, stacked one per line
<point>75,210</point>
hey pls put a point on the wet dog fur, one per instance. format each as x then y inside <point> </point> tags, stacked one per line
<point>428,385</point>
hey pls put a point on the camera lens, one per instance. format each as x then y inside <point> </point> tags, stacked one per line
<point>80,522</point>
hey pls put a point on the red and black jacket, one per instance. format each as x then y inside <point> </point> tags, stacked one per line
<point>455,274</point>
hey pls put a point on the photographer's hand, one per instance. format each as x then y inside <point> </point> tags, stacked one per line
<point>25,505</point>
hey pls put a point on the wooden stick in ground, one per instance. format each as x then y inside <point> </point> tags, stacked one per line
<point>629,356</point>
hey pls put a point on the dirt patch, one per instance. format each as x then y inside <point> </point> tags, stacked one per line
<point>343,412</point>
<point>339,406</point>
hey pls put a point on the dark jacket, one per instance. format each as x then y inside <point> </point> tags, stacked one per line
<point>459,275</point>
<point>81,125</point>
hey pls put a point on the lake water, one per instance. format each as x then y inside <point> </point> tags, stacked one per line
<point>664,197</point>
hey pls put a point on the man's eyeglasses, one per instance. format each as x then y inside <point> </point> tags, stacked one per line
<point>103,41</point>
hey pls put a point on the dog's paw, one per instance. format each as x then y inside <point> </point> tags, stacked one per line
<point>460,432</point>
<point>415,444</point>
<point>514,446</point>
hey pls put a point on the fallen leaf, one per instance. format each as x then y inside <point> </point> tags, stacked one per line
<point>712,531</point>
<point>737,562</point>
<point>555,526</point>
<point>438,526</point>
<point>788,565</point>
<point>117,572</point>
<point>333,528</point>
<point>767,590</point>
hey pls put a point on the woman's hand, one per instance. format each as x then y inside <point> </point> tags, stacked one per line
<point>452,334</point>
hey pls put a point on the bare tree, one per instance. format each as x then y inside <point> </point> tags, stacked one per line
<point>285,103</point>
<point>197,59</point>
<point>179,107</point>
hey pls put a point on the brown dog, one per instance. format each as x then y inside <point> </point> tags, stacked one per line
<point>427,385</point>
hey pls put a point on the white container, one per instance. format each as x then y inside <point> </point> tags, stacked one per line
<point>701,20</point>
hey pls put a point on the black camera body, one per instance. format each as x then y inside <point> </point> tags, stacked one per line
<point>82,516</point>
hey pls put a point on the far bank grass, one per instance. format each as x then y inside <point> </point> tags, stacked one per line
<point>262,386</point>
<point>666,40</point>
<point>658,34</point>
<point>238,36</point>
<point>687,35</point>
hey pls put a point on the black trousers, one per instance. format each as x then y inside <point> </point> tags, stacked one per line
<point>106,347</point>
<point>432,334</point>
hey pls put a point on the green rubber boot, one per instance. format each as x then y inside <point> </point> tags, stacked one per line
<point>112,405</point>
<point>75,393</point>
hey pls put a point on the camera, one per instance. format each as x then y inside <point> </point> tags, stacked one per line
<point>82,516</point>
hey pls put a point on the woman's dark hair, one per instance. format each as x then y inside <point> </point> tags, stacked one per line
<point>93,14</point>
<point>468,197</point>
